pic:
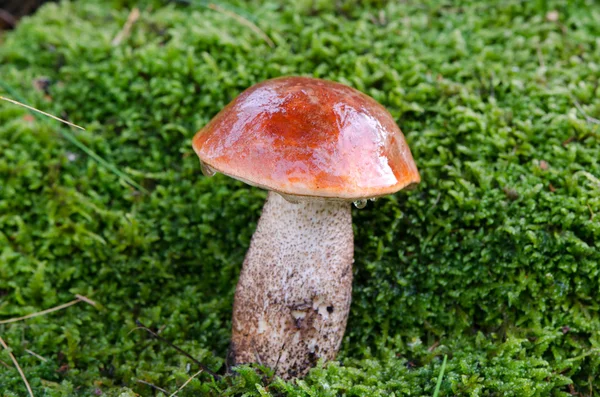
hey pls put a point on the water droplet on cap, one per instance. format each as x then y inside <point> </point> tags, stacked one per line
<point>207,170</point>
<point>360,204</point>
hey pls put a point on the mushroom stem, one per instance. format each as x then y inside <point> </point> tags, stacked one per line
<point>293,296</point>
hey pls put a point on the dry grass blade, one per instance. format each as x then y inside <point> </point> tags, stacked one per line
<point>126,31</point>
<point>40,111</point>
<point>86,300</point>
<point>244,22</point>
<point>14,360</point>
<point>186,382</point>
<point>52,309</point>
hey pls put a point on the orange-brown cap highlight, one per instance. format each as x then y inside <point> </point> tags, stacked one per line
<point>308,137</point>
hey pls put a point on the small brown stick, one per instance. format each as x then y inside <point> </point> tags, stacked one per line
<point>186,382</point>
<point>152,386</point>
<point>180,350</point>
<point>39,111</point>
<point>434,346</point>
<point>52,309</point>
<point>34,354</point>
<point>244,22</point>
<point>16,363</point>
<point>126,31</point>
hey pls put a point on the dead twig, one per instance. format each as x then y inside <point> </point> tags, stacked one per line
<point>180,350</point>
<point>186,382</point>
<point>16,363</point>
<point>52,309</point>
<point>244,22</point>
<point>41,112</point>
<point>126,31</point>
<point>152,386</point>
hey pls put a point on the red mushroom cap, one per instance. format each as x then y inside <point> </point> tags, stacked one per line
<point>308,137</point>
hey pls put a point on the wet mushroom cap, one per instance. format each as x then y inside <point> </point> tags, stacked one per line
<point>308,137</point>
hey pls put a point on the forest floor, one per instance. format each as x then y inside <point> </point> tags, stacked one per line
<point>493,261</point>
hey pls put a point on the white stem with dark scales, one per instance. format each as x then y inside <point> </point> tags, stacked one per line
<point>293,295</point>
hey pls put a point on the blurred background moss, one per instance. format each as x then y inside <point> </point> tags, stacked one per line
<point>493,260</point>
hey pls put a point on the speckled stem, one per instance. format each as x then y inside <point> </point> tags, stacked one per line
<point>293,296</point>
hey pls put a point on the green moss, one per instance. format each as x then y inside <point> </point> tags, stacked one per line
<point>493,260</point>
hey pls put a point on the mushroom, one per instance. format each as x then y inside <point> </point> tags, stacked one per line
<point>317,146</point>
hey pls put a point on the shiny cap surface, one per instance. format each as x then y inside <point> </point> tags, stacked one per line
<point>308,137</point>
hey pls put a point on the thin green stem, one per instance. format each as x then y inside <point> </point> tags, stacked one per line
<point>440,377</point>
<point>71,138</point>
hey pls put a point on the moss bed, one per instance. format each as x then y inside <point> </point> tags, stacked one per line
<point>493,261</point>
